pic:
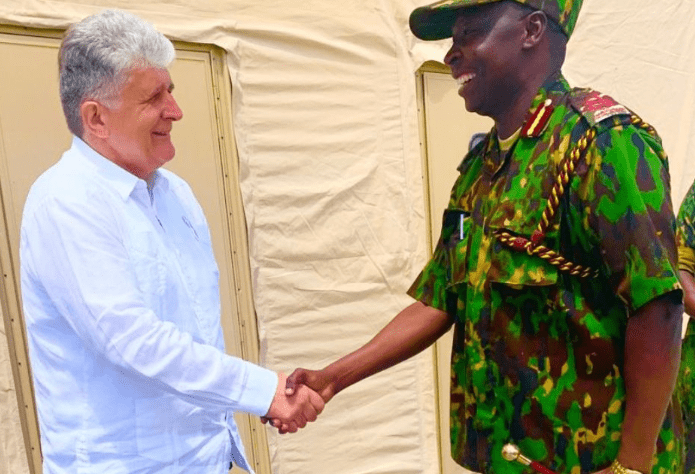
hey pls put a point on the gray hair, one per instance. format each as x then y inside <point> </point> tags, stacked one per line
<point>97,53</point>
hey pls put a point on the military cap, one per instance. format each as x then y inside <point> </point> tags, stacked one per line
<point>435,21</point>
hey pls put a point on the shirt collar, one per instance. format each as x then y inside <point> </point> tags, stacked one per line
<point>554,88</point>
<point>161,181</point>
<point>506,144</point>
<point>123,181</point>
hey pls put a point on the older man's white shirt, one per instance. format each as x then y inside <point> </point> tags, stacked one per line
<point>121,301</point>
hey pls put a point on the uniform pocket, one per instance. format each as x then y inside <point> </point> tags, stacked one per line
<point>455,233</point>
<point>149,264</point>
<point>150,271</point>
<point>518,269</point>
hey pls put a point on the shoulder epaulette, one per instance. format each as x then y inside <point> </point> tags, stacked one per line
<point>597,107</point>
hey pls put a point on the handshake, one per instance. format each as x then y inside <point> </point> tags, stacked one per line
<point>298,400</point>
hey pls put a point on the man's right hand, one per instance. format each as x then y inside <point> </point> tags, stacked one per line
<point>291,410</point>
<point>316,380</point>
<point>414,329</point>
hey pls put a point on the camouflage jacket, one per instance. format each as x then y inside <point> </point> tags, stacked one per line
<point>686,378</point>
<point>538,353</point>
<point>686,232</point>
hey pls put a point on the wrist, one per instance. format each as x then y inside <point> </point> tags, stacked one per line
<point>334,380</point>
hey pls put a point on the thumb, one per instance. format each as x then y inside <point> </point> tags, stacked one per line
<point>298,377</point>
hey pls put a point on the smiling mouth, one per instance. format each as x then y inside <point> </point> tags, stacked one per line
<point>464,79</point>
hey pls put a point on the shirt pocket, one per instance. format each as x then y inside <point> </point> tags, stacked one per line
<point>201,277</point>
<point>149,267</point>
<point>521,218</point>
<point>201,268</point>
<point>523,294</point>
<point>519,269</point>
<point>455,233</point>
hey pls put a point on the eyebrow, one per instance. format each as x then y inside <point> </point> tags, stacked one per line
<point>159,89</point>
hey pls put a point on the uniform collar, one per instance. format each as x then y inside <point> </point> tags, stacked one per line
<point>548,97</point>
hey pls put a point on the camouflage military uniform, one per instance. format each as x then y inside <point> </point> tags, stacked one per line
<point>686,377</point>
<point>538,353</point>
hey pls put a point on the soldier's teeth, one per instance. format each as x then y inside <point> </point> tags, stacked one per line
<point>465,78</point>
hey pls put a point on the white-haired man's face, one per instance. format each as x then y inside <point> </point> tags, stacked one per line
<point>137,128</point>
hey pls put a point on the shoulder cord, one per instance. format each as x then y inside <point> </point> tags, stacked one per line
<point>534,245</point>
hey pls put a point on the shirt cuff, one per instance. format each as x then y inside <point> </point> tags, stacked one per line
<point>259,392</point>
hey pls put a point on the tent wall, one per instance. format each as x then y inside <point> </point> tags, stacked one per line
<point>13,458</point>
<point>326,124</point>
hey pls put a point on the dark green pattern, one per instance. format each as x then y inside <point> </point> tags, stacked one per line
<point>686,378</point>
<point>537,354</point>
<point>435,21</point>
<point>686,220</point>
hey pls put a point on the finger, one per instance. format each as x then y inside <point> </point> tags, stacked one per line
<point>298,377</point>
<point>302,421</point>
<point>282,428</point>
<point>311,414</point>
<point>274,422</point>
<point>290,427</point>
<point>290,388</point>
<point>316,401</point>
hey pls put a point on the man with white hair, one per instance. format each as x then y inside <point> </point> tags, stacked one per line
<point>119,283</point>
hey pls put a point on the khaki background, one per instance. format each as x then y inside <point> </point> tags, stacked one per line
<point>330,137</point>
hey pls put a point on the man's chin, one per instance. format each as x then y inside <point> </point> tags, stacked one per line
<point>472,107</point>
<point>476,107</point>
<point>165,156</point>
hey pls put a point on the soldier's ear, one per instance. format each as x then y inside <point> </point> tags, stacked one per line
<point>536,26</point>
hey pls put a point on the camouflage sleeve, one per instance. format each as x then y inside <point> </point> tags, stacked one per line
<point>686,233</point>
<point>432,286</point>
<point>629,209</point>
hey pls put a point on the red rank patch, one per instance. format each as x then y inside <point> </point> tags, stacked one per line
<point>601,106</point>
<point>536,123</point>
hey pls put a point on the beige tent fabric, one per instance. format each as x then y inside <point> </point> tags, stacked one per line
<point>13,458</point>
<point>325,119</point>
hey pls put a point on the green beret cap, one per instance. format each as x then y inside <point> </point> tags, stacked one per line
<point>435,21</point>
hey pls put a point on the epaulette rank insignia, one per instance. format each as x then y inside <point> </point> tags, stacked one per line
<point>597,107</point>
<point>538,119</point>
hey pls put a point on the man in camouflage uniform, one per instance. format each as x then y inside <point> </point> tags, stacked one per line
<point>556,262</point>
<point>686,379</point>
